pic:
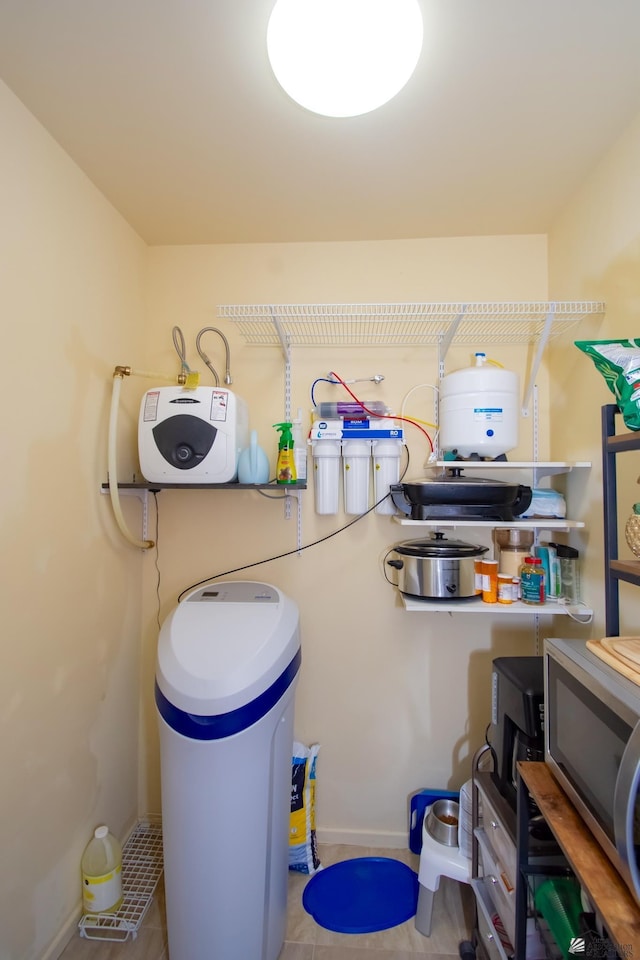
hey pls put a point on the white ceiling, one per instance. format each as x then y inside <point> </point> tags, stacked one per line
<point>172,110</point>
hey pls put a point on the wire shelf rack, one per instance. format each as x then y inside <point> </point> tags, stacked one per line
<point>142,865</point>
<point>404,324</point>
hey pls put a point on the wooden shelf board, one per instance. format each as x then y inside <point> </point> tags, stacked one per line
<point>604,885</point>
<point>626,569</point>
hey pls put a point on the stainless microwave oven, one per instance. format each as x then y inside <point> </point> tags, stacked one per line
<point>592,745</point>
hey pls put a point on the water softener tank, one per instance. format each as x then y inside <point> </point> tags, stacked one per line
<point>479,410</point>
<point>228,661</point>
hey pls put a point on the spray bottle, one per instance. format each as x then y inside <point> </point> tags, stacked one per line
<point>286,466</point>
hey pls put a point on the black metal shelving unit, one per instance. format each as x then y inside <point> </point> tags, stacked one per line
<point>614,569</point>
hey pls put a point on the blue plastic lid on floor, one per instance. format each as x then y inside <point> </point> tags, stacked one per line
<point>362,895</point>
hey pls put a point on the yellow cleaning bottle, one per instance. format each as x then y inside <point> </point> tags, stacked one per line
<point>286,467</point>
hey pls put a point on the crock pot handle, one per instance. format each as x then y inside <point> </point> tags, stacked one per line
<point>397,565</point>
<point>399,498</point>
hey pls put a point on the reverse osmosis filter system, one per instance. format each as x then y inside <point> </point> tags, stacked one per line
<point>360,449</point>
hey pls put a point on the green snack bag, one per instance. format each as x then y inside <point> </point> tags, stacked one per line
<point>619,363</point>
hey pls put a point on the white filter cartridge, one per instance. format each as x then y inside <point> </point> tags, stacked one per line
<point>326,475</point>
<point>386,470</point>
<point>356,459</point>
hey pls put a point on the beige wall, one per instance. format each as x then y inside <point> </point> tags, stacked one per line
<point>594,253</point>
<point>397,700</point>
<point>72,304</point>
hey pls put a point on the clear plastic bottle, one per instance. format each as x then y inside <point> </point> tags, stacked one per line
<point>299,448</point>
<point>101,867</point>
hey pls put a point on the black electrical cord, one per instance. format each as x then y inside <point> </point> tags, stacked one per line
<point>290,553</point>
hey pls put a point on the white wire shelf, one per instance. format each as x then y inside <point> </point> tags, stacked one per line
<point>405,324</point>
<point>142,865</point>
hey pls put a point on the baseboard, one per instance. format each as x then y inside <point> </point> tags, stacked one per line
<point>55,949</point>
<point>363,838</point>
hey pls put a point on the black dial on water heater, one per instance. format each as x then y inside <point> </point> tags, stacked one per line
<point>184,441</point>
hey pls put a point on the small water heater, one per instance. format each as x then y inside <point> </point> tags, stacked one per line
<point>479,411</point>
<point>191,436</point>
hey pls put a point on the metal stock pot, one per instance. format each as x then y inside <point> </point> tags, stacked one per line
<point>436,568</point>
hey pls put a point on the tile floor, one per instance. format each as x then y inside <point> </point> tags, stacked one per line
<point>305,940</point>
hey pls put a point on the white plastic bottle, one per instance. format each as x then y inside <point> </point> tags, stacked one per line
<point>299,448</point>
<point>102,873</point>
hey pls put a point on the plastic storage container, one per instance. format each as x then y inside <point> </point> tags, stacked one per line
<point>101,867</point>
<point>513,546</point>
<point>567,559</point>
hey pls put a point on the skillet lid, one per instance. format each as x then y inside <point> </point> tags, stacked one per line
<point>437,545</point>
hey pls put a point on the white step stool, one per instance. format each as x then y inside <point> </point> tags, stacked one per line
<point>436,860</point>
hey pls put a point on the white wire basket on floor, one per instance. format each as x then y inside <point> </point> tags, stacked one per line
<point>142,865</point>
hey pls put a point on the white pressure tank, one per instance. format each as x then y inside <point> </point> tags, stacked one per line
<point>479,410</point>
<point>227,668</point>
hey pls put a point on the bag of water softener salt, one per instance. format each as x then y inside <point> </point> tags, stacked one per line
<point>303,852</point>
<point>619,363</point>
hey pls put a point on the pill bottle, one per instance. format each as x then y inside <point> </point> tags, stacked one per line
<point>532,581</point>
<point>478,575</point>
<point>101,867</point>
<point>490,581</point>
<point>505,588</point>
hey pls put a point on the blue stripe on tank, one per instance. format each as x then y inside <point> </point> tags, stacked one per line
<point>221,725</point>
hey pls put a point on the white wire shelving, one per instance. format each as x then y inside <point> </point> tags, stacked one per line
<point>404,324</point>
<point>410,325</point>
<point>142,866</point>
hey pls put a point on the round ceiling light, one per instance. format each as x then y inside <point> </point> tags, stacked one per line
<point>342,58</point>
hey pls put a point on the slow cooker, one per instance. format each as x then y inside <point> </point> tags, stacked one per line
<point>436,568</point>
